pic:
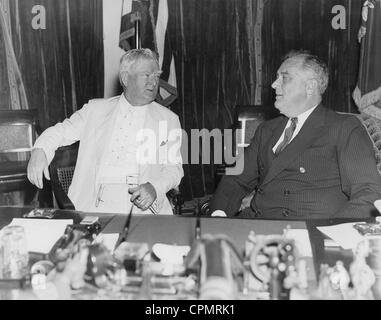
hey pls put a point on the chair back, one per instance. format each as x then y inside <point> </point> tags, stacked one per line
<point>249,117</point>
<point>61,171</point>
<point>18,133</point>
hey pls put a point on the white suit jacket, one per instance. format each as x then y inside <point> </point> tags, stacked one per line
<point>93,125</point>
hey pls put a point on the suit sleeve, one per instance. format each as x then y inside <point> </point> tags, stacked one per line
<point>233,188</point>
<point>360,179</point>
<point>170,172</point>
<point>63,133</point>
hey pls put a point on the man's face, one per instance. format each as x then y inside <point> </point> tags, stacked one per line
<point>142,82</point>
<point>290,88</point>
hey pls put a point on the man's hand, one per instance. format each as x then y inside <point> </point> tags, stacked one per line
<point>38,165</point>
<point>143,195</point>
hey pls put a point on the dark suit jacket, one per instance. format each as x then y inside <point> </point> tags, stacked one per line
<point>328,170</point>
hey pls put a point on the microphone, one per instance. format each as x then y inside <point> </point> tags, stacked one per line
<point>132,181</point>
<point>124,233</point>
<point>198,222</point>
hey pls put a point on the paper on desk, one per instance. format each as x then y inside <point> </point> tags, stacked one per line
<point>108,239</point>
<point>302,241</point>
<point>343,234</point>
<point>42,234</point>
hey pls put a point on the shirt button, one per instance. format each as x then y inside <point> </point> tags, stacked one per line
<point>286,192</point>
<point>285,213</point>
<point>302,170</point>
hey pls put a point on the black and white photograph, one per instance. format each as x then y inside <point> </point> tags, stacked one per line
<point>189,156</point>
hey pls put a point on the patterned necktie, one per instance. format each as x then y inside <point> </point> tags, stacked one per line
<point>287,136</point>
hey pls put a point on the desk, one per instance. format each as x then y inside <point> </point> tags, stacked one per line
<point>166,229</point>
<point>180,230</point>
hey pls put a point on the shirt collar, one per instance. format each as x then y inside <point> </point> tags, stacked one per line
<point>126,107</point>
<point>124,104</point>
<point>303,116</point>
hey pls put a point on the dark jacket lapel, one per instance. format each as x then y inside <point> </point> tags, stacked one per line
<point>275,134</point>
<point>309,132</point>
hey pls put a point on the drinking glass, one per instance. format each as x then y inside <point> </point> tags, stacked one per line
<point>374,261</point>
<point>14,256</point>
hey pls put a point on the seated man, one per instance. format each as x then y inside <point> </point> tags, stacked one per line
<point>115,135</point>
<point>310,163</point>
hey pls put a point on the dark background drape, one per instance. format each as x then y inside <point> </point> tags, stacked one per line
<point>62,65</point>
<point>213,42</point>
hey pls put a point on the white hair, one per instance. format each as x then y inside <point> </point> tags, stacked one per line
<point>131,56</point>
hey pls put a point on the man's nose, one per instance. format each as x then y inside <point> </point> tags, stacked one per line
<point>275,84</point>
<point>153,79</point>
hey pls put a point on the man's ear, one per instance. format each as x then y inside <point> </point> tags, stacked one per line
<point>124,78</point>
<point>311,86</point>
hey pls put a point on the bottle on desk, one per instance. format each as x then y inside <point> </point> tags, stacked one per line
<point>14,257</point>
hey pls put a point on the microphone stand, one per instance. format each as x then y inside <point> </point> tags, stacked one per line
<point>124,233</point>
<point>198,222</point>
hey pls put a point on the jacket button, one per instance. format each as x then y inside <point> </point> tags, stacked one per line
<point>260,191</point>
<point>285,213</point>
<point>286,192</point>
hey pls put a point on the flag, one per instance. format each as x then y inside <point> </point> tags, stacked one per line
<point>167,86</point>
<point>131,12</point>
<point>367,93</point>
<point>153,16</point>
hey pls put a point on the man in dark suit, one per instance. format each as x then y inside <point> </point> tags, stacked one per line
<point>310,163</point>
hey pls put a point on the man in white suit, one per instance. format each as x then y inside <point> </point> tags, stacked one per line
<point>113,171</point>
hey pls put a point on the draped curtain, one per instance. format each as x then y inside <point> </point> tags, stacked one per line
<point>307,24</point>
<point>61,65</point>
<point>367,94</point>
<point>215,70</point>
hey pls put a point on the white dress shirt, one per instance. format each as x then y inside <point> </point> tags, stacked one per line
<point>119,169</point>
<point>301,120</point>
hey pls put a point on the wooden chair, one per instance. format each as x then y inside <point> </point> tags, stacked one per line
<point>247,118</point>
<point>18,133</point>
<point>61,171</point>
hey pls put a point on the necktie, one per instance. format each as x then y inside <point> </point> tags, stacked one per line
<point>287,136</point>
